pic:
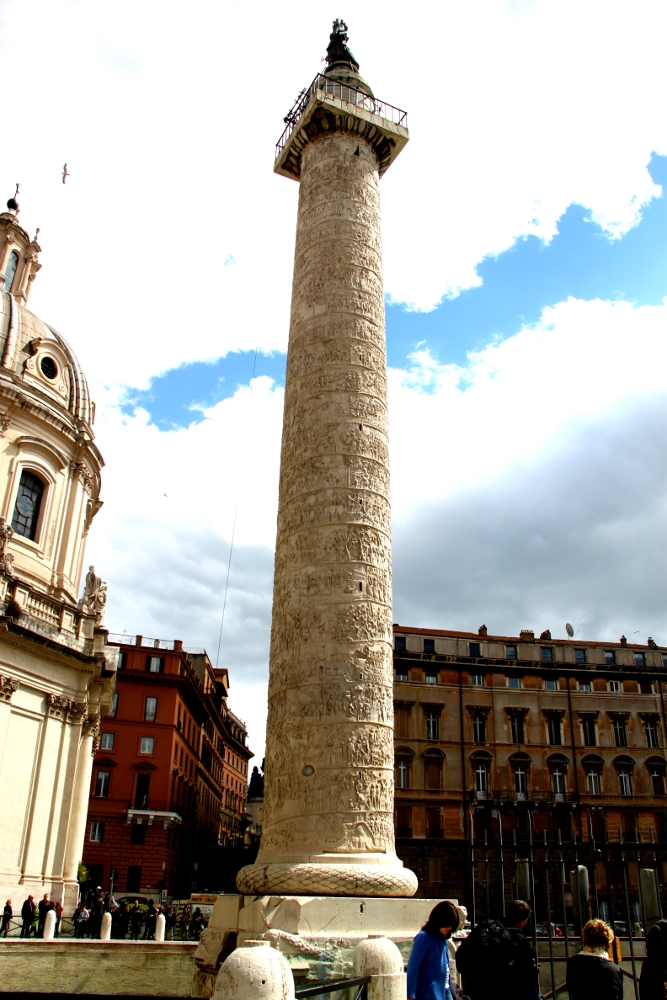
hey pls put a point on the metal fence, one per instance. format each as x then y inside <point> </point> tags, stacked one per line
<point>568,883</point>
<point>342,92</point>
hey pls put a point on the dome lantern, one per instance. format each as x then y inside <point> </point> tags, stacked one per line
<point>18,253</point>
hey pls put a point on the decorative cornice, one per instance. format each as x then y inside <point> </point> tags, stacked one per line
<point>474,709</point>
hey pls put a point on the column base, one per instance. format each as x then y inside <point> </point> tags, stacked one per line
<point>327,880</point>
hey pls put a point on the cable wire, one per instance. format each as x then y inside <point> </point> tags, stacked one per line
<point>236,511</point>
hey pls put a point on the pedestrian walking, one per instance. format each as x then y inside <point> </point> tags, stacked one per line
<point>43,908</point>
<point>170,922</point>
<point>151,920</point>
<point>96,914</point>
<point>184,922</point>
<point>197,924</point>
<point>7,915</point>
<point>591,973</point>
<point>497,960</point>
<point>136,920</point>
<point>428,967</point>
<point>124,920</point>
<point>80,920</point>
<point>59,915</point>
<point>27,916</point>
<point>653,979</point>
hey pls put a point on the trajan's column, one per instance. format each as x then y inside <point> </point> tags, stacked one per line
<point>329,789</point>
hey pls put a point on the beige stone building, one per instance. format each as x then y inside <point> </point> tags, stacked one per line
<point>56,671</point>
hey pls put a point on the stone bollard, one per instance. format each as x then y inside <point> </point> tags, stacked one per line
<point>380,958</point>
<point>105,930</point>
<point>49,925</point>
<point>160,925</point>
<point>255,971</point>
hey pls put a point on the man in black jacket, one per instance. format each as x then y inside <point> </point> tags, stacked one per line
<point>27,916</point>
<point>497,960</point>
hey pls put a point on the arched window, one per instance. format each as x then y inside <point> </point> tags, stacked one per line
<point>403,767</point>
<point>10,271</point>
<point>520,763</point>
<point>558,765</point>
<point>593,769</point>
<point>624,767</point>
<point>27,506</point>
<point>481,765</point>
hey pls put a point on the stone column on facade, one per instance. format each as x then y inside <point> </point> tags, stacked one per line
<point>79,812</point>
<point>329,791</point>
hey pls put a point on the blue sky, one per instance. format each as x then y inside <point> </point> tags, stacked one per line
<point>581,261</point>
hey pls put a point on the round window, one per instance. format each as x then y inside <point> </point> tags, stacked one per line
<point>49,367</point>
<point>25,505</point>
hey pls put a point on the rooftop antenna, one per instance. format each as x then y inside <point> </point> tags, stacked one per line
<point>569,630</point>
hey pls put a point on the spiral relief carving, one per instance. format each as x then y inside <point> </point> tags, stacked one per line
<point>328,811</point>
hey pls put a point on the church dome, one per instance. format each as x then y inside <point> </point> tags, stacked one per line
<point>49,464</point>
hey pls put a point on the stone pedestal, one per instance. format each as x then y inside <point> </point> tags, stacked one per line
<point>318,935</point>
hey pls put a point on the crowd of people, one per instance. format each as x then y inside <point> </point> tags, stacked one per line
<point>134,921</point>
<point>497,961</point>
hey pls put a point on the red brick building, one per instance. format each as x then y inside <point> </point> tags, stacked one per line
<point>167,799</point>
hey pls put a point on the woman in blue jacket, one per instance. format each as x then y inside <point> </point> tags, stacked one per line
<point>428,967</point>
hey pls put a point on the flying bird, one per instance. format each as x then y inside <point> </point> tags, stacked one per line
<point>66,173</point>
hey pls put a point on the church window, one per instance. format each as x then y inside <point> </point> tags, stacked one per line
<point>10,271</point>
<point>27,506</point>
<point>49,367</point>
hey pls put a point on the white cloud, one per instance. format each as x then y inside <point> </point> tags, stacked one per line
<point>172,241</point>
<point>168,130</point>
<point>528,489</point>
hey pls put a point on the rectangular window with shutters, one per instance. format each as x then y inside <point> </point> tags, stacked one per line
<point>615,687</point>
<point>594,782</point>
<point>155,664</point>
<point>432,773</point>
<point>434,869</point>
<point>510,653</point>
<point>432,725</point>
<point>481,779</point>
<point>580,656</point>
<point>97,832</point>
<point>652,733</point>
<point>122,661</point>
<point>550,684</point>
<point>147,744</point>
<point>547,654</point>
<point>517,727</point>
<point>404,821</point>
<point>625,782</point>
<point>477,680</point>
<point>150,711</point>
<point>434,822</point>
<point>133,883</point>
<point>402,721</point>
<point>138,834</point>
<point>609,656</point>
<point>620,731</point>
<point>102,784</point>
<point>108,741</point>
<point>403,772</point>
<point>555,730</point>
<point>479,727</point>
<point>589,730</point>
<point>640,659</point>
<point>142,791</point>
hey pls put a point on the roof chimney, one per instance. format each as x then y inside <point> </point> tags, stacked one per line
<point>482,630</point>
<point>527,635</point>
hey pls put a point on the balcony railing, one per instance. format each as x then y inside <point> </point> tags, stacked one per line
<point>145,642</point>
<point>512,795</point>
<point>340,91</point>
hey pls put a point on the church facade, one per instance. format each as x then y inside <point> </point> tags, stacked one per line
<point>56,670</point>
